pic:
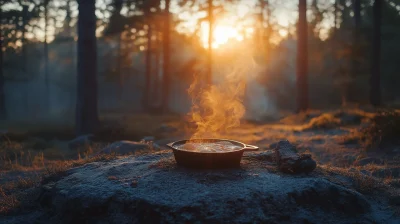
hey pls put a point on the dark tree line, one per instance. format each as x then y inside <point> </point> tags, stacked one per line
<point>166,56</point>
<point>86,108</point>
<point>3,111</point>
<point>86,103</point>
<point>375,94</point>
<point>46,54</point>
<point>302,60</point>
<point>375,77</point>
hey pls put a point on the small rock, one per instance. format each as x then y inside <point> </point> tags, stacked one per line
<point>267,155</point>
<point>368,160</point>
<point>306,164</point>
<point>80,141</point>
<point>124,147</point>
<point>148,139</point>
<point>291,162</point>
<point>273,145</point>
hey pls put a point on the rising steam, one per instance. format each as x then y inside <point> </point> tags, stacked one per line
<point>218,108</point>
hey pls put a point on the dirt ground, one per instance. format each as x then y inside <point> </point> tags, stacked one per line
<point>28,151</point>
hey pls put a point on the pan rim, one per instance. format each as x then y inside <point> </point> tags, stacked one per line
<point>173,144</point>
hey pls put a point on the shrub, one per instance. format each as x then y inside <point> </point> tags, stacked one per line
<point>325,121</point>
<point>383,131</point>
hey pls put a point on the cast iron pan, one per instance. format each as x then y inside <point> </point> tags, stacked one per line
<point>209,160</point>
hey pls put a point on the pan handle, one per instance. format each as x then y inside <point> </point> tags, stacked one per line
<point>250,148</point>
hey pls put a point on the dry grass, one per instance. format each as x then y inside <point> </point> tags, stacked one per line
<point>7,201</point>
<point>301,118</point>
<point>362,183</point>
<point>383,131</point>
<point>32,161</point>
<point>11,193</point>
<point>19,156</point>
<point>314,119</point>
<point>164,163</point>
<point>51,159</point>
<point>325,121</point>
<point>352,138</point>
<point>27,145</point>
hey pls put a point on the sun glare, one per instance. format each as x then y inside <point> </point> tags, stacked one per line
<point>222,34</point>
<point>283,33</point>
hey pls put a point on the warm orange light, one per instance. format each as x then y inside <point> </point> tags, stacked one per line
<point>222,34</point>
<point>283,32</point>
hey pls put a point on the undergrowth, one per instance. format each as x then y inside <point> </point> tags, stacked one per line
<point>325,121</point>
<point>383,130</point>
<point>11,192</point>
<point>362,183</point>
<point>337,119</point>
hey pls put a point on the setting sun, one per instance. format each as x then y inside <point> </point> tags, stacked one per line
<point>222,34</point>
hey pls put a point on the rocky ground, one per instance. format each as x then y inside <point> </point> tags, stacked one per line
<point>352,183</point>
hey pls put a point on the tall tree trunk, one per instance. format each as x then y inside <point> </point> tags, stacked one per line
<point>146,90</point>
<point>3,111</point>
<point>210,40</point>
<point>375,81</point>
<point>166,57</point>
<point>355,49</point>
<point>357,13</point>
<point>87,120</point>
<point>154,93</point>
<point>269,29</point>
<point>336,14</point>
<point>46,59</point>
<point>119,73</point>
<point>302,58</point>
<point>261,32</point>
<point>68,18</point>
<point>23,36</point>
<point>116,17</point>
<point>25,91</point>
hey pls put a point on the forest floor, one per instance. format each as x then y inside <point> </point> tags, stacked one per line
<point>354,142</point>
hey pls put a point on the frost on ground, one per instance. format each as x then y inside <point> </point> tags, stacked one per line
<point>152,189</point>
<point>354,180</point>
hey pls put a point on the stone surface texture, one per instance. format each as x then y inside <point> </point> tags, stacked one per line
<point>291,162</point>
<point>153,189</point>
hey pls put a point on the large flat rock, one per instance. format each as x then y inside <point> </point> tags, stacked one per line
<point>152,189</point>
